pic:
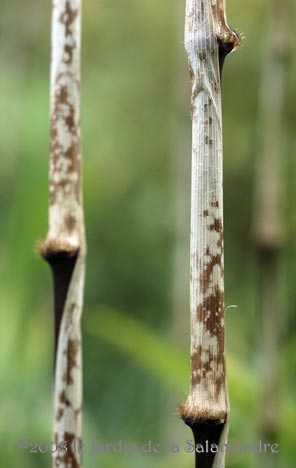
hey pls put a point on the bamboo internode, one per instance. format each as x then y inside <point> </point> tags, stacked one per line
<point>208,39</point>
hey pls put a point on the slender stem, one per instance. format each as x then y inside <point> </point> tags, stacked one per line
<point>208,39</point>
<point>269,221</point>
<point>64,247</point>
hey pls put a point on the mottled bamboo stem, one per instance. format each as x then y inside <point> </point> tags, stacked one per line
<point>208,39</point>
<point>65,247</point>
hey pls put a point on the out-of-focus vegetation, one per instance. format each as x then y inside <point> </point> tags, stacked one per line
<point>135,97</point>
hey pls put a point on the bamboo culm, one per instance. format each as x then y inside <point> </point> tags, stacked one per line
<point>208,39</point>
<point>64,247</point>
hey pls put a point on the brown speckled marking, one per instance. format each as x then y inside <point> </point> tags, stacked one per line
<point>68,319</point>
<point>63,399</point>
<point>68,17</point>
<point>72,351</point>
<point>206,275</point>
<point>70,459</point>
<point>216,225</point>
<point>59,151</point>
<point>65,150</point>
<point>70,223</point>
<point>195,364</point>
<point>60,414</point>
<point>214,304</point>
<point>64,404</point>
<point>210,366</point>
<point>208,140</point>
<point>202,56</point>
<point>215,362</point>
<point>202,11</point>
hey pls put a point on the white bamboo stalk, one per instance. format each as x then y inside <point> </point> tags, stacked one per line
<point>65,246</point>
<point>65,213</point>
<point>208,38</point>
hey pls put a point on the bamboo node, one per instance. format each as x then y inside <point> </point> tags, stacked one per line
<point>229,40</point>
<point>52,250</point>
<point>196,416</point>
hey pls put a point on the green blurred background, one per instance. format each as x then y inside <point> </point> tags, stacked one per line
<point>136,144</point>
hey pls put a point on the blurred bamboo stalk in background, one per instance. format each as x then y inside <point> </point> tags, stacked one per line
<point>208,39</point>
<point>180,200</point>
<point>65,247</point>
<point>180,174</point>
<point>268,220</point>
